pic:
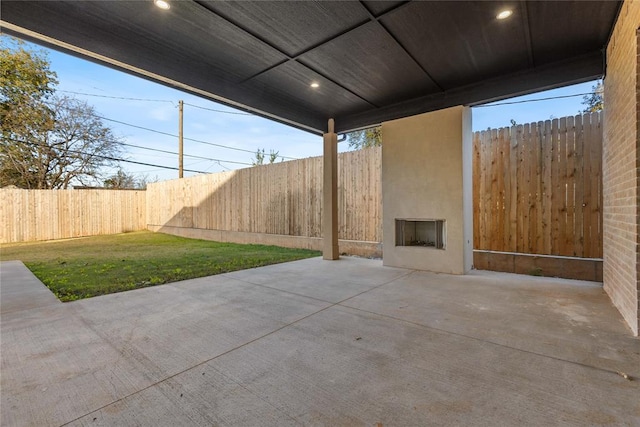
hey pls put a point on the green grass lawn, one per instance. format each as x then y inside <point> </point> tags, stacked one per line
<point>91,266</point>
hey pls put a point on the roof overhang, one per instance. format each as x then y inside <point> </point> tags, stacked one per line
<point>373,60</point>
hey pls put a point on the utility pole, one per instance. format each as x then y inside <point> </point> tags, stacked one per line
<point>180,117</point>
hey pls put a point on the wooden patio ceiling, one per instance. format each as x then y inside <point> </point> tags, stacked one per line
<point>373,60</point>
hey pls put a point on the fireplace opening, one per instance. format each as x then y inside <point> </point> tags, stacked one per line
<point>427,233</point>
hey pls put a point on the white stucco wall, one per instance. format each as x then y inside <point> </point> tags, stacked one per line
<point>426,173</point>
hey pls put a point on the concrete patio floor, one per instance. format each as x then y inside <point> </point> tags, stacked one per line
<point>314,342</point>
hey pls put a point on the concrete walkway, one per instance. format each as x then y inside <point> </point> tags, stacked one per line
<point>21,290</point>
<point>322,343</point>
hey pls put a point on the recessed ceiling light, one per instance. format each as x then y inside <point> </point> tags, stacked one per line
<point>162,4</point>
<point>504,14</point>
<point>315,85</point>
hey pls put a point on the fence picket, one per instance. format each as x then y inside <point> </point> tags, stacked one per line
<point>578,238</point>
<point>29,215</point>
<point>596,182</point>
<point>547,186</point>
<point>537,189</point>
<point>552,192</point>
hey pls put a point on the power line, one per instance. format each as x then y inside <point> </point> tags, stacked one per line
<point>146,164</point>
<point>249,114</point>
<point>166,151</point>
<point>219,111</point>
<point>116,97</point>
<point>154,100</point>
<point>532,100</point>
<point>185,155</point>
<point>176,136</point>
<point>115,159</point>
<point>173,135</point>
<point>187,139</point>
<point>223,166</point>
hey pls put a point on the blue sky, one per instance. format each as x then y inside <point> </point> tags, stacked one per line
<point>246,132</point>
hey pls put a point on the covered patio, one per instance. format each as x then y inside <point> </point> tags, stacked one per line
<point>350,342</point>
<point>413,67</point>
<point>298,343</point>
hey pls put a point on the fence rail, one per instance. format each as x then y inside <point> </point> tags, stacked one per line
<point>29,215</point>
<point>538,187</point>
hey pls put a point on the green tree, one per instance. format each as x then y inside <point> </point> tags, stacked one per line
<point>126,181</point>
<point>120,180</point>
<point>26,82</point>
<point>47,141</point>
<point>260,157</point>
<point>25,77</point>
<point>595,100</point>
<point>371,137</point>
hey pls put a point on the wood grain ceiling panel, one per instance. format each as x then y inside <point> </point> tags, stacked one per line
<point>290,84</point>
<point>569,28</point>
<point>292,27</point>
<point>458,43</point>
<point>140,34</point>
<point>369,63</point>
<point>380,6</point>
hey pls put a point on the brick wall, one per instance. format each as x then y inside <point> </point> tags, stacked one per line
<point>621,162</point>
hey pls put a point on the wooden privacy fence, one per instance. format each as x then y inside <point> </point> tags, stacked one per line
<point>28,215</point>
<point>537,190</point>
<point>538,187</point>
<point>280,198</point>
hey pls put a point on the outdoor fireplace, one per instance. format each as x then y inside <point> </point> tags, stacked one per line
<point>426,233</point>
<point>427,192</point>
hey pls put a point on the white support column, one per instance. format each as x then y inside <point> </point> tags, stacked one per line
<point>330,194</point>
